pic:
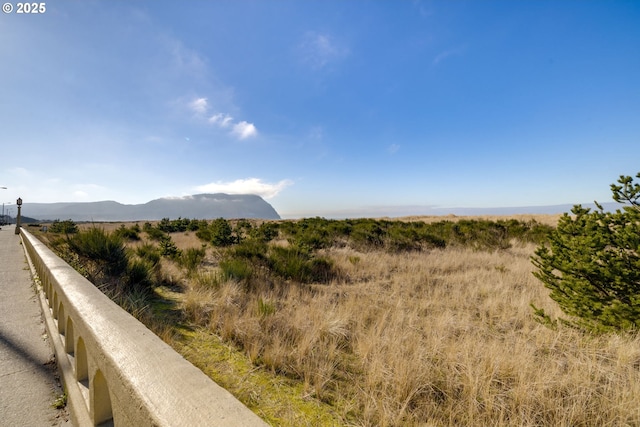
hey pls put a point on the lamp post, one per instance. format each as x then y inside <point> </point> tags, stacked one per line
<point>19,203</point>
<point>3,220</point>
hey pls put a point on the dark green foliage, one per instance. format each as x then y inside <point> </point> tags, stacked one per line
<point>67,226</point>
<point>191,258</point>
<point>218,233</point>
<point>368,233</point>
<point>221,232</point>
<point>196,225</point>
<point>250,249</point>
<point>543,318</point>
<point>314,233</point>
<point>242,230</point>
<point>131,233</point>
<point>107,249</point>
<point>204,234</point>
<point>591,263</point>
<point>139,273</point>
<point>154,233</point>
<point>168,248</point>
<point>178,225</point>
<point>484,234</point>
<point>266,232</point>
<point>399,236</point>
<point>236,268</point>
<point>299,264</point>
<point>149,253</point>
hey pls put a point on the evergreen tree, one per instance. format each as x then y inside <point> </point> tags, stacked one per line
<point>221,232</point>
<point>591,263</point>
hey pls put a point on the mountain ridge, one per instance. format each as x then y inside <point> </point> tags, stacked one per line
<point>197,206</point>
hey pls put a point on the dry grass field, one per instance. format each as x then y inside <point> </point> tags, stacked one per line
<point>440,337</point>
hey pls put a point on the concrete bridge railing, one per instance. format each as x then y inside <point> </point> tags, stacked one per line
<point>115,370</point>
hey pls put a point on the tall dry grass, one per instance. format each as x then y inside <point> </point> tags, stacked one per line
<point>439,338</point>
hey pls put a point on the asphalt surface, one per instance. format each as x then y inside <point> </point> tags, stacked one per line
<point>29,383</point>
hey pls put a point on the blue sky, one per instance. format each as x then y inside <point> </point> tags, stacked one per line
<point>330,108</point>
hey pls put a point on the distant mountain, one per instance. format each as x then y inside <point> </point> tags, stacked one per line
<point>199,206</point>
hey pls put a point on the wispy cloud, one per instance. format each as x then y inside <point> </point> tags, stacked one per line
<point>222,120</point>
<point>393,148</point>
<point>199,105</point>
<point>247,186</point>
<point>186,60</point>
<point>318,50</point>
<point>423,8</point>
<point>241,130</point>
<point>448,53</point>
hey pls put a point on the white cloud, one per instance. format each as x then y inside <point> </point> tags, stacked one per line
<point>246,186</point>
<point>241,130</point>
<point>222,120</point>
<point>244,130</point>
<point>199,105</point>
<point>318,50</point>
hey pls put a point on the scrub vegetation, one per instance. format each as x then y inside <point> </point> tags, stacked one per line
<point>420,321</point>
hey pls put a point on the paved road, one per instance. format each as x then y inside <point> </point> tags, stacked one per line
<point>28,373</point>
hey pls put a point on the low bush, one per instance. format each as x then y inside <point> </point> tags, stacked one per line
<point>191,258</point>
<point>250,249</point>
<point>139,273</point>
<point>236,269</point>
<point>128,233</point>
<point>265,232</point>
<point>298,264</point>
<point>149,253</point>
<point>66,226</point>
<point>168,248</point>
<point>107,249</point>
<point>154,233</point>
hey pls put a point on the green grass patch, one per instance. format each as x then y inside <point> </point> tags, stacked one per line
<point>276,399</point>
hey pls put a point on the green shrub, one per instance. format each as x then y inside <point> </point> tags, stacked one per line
<point>177,225</point>
<point>250,249</point>
<point>130,233</point>
<point>221,232</point>
<point>191,258</point>
<point>168,248</point>
<point>367,234</point>
<point>149,253</point>
<point>591,263</point>
<point>108,249</point>
<point>236,268</point>
<point>153,232</point>
<point>66,226</point>
<point>266,232</point>
<point>242,230</point>
<point>298,264</point>
<point>139,274</point>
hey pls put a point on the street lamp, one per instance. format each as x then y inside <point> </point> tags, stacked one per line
<point>19,203</point>
<point>3,220</point>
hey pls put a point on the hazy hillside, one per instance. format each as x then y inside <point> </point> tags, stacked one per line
<point>200,206</point>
